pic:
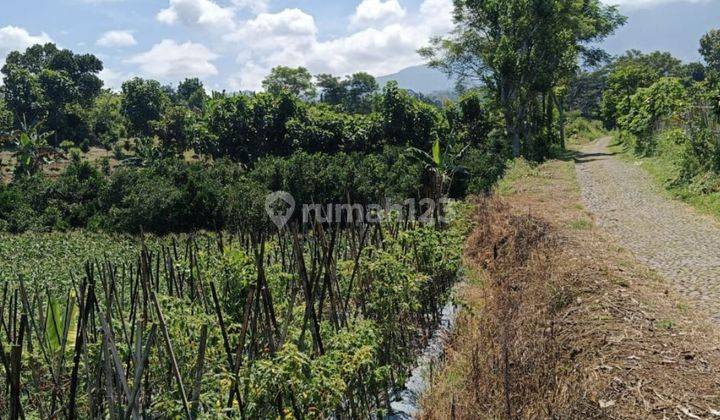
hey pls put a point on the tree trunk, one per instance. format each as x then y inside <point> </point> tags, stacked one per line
<point>561,119</point>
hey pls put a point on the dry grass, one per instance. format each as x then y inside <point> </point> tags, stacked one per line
<point>562,323</point>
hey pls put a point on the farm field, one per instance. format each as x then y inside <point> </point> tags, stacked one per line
<point>204,324</point>
<point>370,209</point>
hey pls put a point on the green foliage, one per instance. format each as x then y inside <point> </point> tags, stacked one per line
<point>6,120</point>
<point>580,130</point>
<point>32,151</point>
<point>408,121</point>
<point>191,93</point>
<point>61,325</point>
<point>106,119</point>
<point>710,49</point>
<point>178,130</point>
<point>353,94</point>
<point>247,128</point>
<point>522,50</point>
<point>649,106</point>
<point>585,93</point>
<point>295,81</point>
<point>623,82</point>
<point>46,83</point>
<point>143,101</point>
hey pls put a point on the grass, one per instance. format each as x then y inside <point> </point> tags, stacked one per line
<point>580,130</point>
<point>579,224</point>
<point>579,327</point>
<point>664,168</point>
<point>518,172</point>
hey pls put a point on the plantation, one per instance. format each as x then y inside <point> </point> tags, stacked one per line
<point>247,326</point>
<point>157,254</point>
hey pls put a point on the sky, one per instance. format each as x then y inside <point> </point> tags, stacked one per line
<point>233,44</point>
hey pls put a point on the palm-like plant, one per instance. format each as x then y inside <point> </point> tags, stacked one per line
<point>32,150</point>
<point>443,166</point>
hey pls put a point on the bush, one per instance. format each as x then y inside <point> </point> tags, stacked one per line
<point>138,200</point>
<point>77,193</point>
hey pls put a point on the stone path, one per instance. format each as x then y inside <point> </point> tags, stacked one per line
<point>666,234</point>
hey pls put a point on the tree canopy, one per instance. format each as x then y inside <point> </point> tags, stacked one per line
<point>521,50</point>
<point>53,86</point>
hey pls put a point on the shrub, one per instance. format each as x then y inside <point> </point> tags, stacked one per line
<point>77,192</point>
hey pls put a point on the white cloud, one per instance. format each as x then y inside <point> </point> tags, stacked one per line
<point>370,12</point>
<point>170,61</point>
<point>255,6</point>
<point>13,38</point>
<point>289,25</point>
<point>290,38</point>
<point>116,39</point>
<point>114,79</point>
<point>639,4</point>
<point>198,13</point>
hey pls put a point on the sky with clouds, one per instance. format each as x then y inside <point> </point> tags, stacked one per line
<point>232,44</point>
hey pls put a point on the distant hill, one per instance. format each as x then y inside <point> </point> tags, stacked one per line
<point>420,79</point>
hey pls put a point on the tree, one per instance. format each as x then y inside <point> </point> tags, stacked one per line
<point>246,128</point>
<point>352,93</point>
<point>32,151</point>
<point>46,83</point>
<point>407,121</point>
<point>332,89</point>
<point>585,92</point>
<point>710,49</point>
<point>191,93</point>
<point>6,121</point>
<point>228,121</point>
<point>296,81</point>
<point>359,86</point>
<point>106,119</point>
<point>663,99</point>
<point>695,72</point>
<point>662,63</point>
<point>143,101</point>
<point>624,80</point>
<point>176,129</point>
<point>521,50</point>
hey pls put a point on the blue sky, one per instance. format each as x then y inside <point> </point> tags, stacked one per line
<point>232,44</point>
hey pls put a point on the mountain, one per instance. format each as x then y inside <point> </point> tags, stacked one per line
<point>420,79</point>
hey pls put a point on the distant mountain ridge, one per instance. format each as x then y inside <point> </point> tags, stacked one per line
<point>421,79</point>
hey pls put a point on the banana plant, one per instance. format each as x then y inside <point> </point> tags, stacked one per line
<point>61,325</point>
<point>443,166</point>
<point>32,150</point>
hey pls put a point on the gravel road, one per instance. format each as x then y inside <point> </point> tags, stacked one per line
<point>667,235</point>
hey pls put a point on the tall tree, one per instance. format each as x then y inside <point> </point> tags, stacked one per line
<point>106,120</point>
<point>297,81</point>
<point>521,50</point>
<point>176,129</point>
<point>332,89</point>
<point>6,120</point>
<point>143,101</point>
<point>710,49</point>
<point>191,93</point>
<point>359,87</point>
<point>47,83</point>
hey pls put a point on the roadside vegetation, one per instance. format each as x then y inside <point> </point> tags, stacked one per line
<point>557,321</point>
<point>667,119</point>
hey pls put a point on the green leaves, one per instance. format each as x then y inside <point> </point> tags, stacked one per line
<point>61,323</point>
